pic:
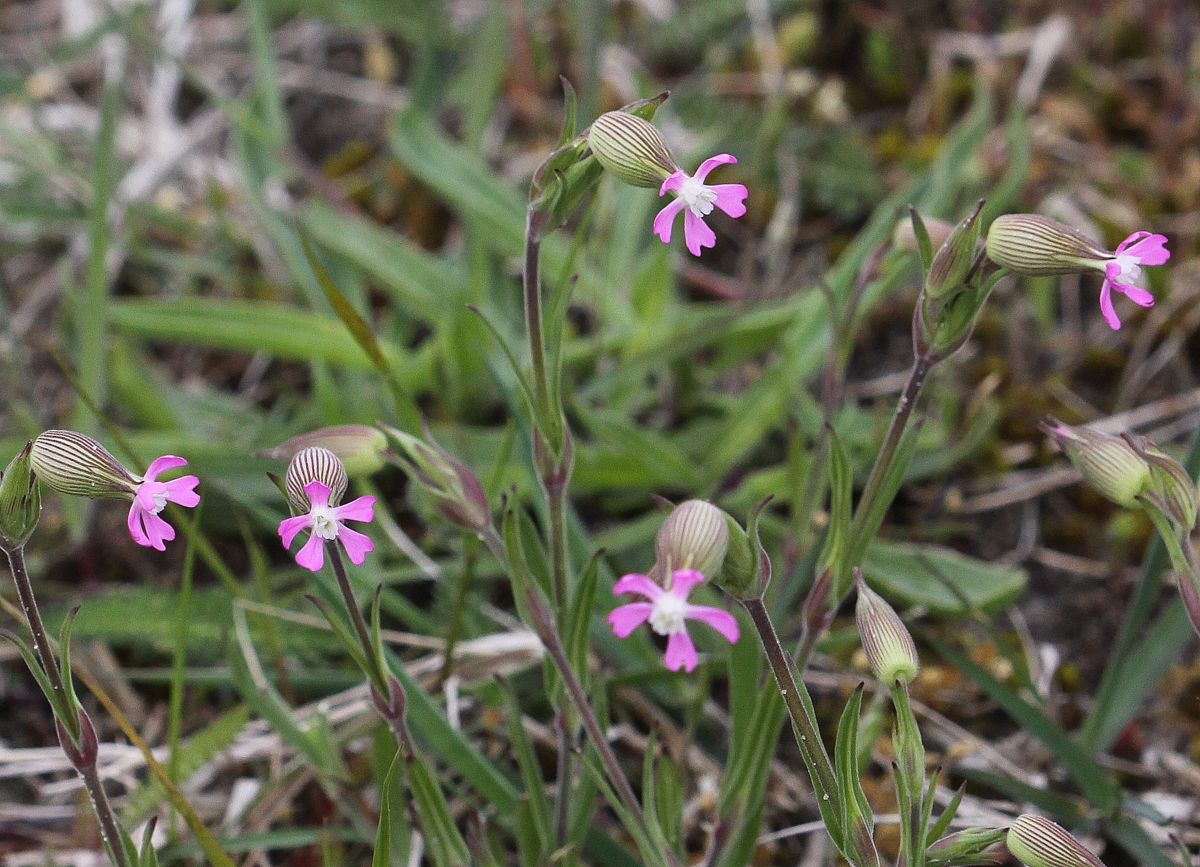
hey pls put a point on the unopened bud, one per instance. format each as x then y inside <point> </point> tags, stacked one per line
<point>358,447</point>
<point>968,846</point>
<point>20,501</point>
<point>1109,464</point>
<point>954,258</point>
<point>631,149</point>
<point>1037,246</point>
<point>890,650</point>
<point>1172,487</point>
<point>456,491</point>
<point>694,536</point>
<point>74,464</point>
<point>1038,842</point>
<point>314,464</point>
<point>747,568</point>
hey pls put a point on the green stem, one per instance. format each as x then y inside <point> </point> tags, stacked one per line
<point>533,320</point>
<point>543,623</point>
<point>41,641</point>
<point>377,667</point>
<point>104,813</point>
<point>795,696</point>
<point>887,453</point>
<point>45,657</point>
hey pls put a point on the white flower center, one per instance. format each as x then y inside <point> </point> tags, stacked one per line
<point>1129,265</point>
<point>667,616</point>
<point>697,197</point>
<point>324,523</point>
<point>160,501</point>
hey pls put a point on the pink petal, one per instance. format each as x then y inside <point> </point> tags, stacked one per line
<point>356,544</point>
<point>312,555</point>
<point>711,163</point>
<point>722,621</point>
<point>731,198</point>
<point>144,496</point>
<point>1148,249</point>
<point>318,494</point>
<point>635,583</point>
<point>681,653</point>
<point>673,183</point>
<point>697,234</point>
<point>1106,307</point>
<point>134,523</point>
<point>683,580</point>
<point>289,527</point>
<point>183,491</point>
<point>161,465</point>
<point>665,220</point>
<point>1136,294</point>
<point>158,531</point>
<point>626,618</point>
<point>362,509</point>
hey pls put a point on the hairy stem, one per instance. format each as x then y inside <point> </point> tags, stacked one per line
<point>544,624</point>
<point>887,453</point>
<point>109,829</point>
<point>378,668</point>
<point>795,696</point>
<point>45,657</point>
<point>41,641</point>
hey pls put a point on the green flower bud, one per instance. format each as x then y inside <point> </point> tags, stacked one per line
<point>954,258</point>
<point>1109,464</point>
<point>20,501</point>
<point>885,640</point>
<point>747,568</point>
<point>314,464</point>
<point>694,536</point>
<point>1038,842</point>
<point>1040,247</point>
<point>631,149</point>
<point>1173,489</point>
<point>968,846</point>
<point>456,491</point>
<point>358,447</point>
<point>74,464</point>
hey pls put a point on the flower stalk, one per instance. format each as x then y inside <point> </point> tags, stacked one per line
<point>79,743</point>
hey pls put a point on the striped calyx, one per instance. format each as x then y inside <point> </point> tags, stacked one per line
<point>314,464</point>
<point>1109,464</point>
<point>1038,842</point>
<point>74,464</point>
<point>890,650</point>
<point>694,536</point>
<point>1037,246</point>
<point>631,149</point>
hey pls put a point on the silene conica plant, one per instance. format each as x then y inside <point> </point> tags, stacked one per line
<point>708,589</point>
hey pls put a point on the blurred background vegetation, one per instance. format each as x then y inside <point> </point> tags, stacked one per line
<point>163,164</point>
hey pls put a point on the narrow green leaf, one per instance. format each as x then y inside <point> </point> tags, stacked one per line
<point>942,825</point>
<point>383,836</point>
<point>538,806</point>
<point>841,490</point>
<point>444,844</point>
<point>579,617</point>
<point>57,703</point>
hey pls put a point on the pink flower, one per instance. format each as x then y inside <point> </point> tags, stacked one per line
<point>325,522</point>
<point>667,611</point>
<point>151,497</point>
<point>698,198</point>
<point>1140,248</point>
